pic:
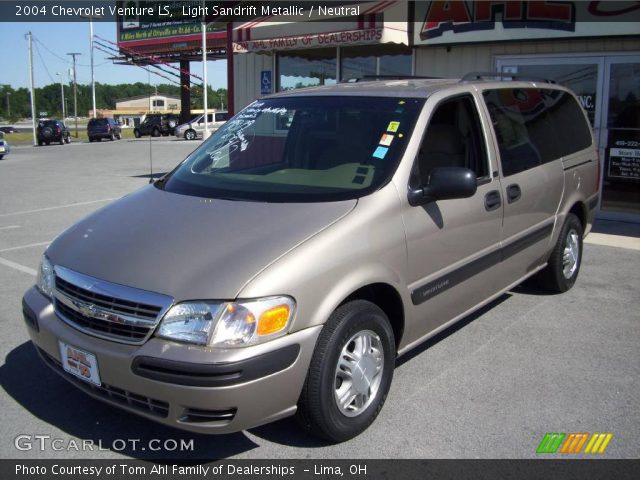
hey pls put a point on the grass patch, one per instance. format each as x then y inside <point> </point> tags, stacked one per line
<point>26,137</point>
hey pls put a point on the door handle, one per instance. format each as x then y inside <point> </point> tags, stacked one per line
<point>513,193</point>
<point>492,200</point>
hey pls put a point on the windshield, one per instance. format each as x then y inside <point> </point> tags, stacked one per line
<point>300,149</point>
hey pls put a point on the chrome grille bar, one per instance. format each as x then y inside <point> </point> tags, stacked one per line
<point>107,310</point>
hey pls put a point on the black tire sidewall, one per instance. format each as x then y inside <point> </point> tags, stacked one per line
<point>346,321</point>
<point>563,283</point>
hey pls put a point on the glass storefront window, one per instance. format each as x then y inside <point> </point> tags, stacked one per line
<point>621,178</point>
<point>357,62</point>
<point>306,68</point>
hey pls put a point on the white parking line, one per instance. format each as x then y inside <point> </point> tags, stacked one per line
<point>59,206</point>
<point>24,246</point>
<point>9,227</point>
<point>619,241</point>
<point>17,266</point>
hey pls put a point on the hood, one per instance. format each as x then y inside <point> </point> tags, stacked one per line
<point>188,247</point>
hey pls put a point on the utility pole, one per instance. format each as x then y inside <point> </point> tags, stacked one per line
<point>75,90</point>
<point>8,105</point>
<point>33,99</point>
<point>64,115</point>
<point>93,82</point>
<point>205,135</point>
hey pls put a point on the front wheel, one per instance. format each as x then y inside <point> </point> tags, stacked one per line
<point>190,135</point>
<point>564,262</point>
<point>350,373</point>
<point>136,133</point>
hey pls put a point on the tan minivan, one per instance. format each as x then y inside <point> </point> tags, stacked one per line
<point>283,266</point>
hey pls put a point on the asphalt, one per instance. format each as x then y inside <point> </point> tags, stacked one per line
<point>489,387</point>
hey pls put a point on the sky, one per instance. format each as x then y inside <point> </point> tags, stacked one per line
<point>61,38</point>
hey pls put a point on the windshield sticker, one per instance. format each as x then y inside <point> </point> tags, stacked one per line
<point>401,102</point>
<point>380,152</point>
<point>386,139</point>
<point>393,126</point>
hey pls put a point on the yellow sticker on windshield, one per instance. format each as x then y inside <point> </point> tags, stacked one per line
<point>393,126</point>
<point>386,139</point>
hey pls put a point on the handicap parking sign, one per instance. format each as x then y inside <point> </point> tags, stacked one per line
<point>265,82</point>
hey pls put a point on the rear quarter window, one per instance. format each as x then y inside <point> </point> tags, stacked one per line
<point>535,126</point>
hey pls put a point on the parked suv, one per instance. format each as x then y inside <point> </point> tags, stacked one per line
<point>52,131</point>
<point>4,146</point>
<point>195,128</point>
<point>307,243</point>
<point>156,125</point>
<point>99,128</point>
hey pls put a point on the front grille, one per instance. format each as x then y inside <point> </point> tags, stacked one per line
<point>109,392</point>
<point>116,330</point>
<point>116,305</point>
<point>107,310</point>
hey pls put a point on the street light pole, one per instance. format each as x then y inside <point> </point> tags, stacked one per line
<point>8,105</point>
<point>93,82</point>
<point>64,115</point>
<point>75,90</point>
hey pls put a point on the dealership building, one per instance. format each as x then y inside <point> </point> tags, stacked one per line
<point>591,47</point>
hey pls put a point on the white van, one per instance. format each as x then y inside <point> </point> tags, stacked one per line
<point>195,128</point>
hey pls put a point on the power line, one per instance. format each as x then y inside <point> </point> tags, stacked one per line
<point>65,60</point>
<point>44,64</point>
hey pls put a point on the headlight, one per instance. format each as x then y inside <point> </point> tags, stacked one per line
<point>46,278</point>
<point>230,324</point>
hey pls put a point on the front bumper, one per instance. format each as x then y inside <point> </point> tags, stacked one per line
<point>228,390</point>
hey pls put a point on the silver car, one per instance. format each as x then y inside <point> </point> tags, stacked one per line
<point>195,128</point>
<point>315,237</point>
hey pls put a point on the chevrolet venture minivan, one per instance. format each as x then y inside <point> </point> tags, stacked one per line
<point>282,267</point>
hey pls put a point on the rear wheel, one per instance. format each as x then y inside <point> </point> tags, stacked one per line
<point>119,136</point>
<point>563,266</point>
<point>350,373</point>
<point>136,133</point>
<point>155,132</point>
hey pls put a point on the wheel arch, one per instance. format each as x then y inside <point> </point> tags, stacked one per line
<point>388,299</point>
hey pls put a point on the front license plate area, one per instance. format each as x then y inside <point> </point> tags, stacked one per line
<point>83,365</point>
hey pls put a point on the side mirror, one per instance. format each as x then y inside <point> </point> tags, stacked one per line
<point>445,183</point>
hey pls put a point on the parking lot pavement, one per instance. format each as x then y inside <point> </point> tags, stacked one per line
<point>490,387</point>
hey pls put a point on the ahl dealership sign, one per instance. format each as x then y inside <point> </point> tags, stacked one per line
<point>458,21</point>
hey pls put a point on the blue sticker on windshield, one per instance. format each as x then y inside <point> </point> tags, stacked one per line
<point>380,152</point>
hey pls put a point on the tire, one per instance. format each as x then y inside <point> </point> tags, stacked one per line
<point>136,133</point>
<point>112,137</point>
<point>68,139</point>
<point>1,156</point>
<point>47,142</point>
<point>190,134</point>
<point>119,136</point>
<point>61,140</point>
<point>40,143</point>
<point>563,266</point>
<point>328,377</point>
<point>90,139</point>
<point>155,132</point>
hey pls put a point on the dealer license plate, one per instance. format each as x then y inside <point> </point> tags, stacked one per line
<point>79,363</point>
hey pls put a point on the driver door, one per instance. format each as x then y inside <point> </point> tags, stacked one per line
<point>453,245</point>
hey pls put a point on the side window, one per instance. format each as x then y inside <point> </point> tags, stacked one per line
<point>535,126</point>
<point>453,139</point>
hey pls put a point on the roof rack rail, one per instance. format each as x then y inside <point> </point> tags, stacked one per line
<point>365,78</point>
<point>503,76</point>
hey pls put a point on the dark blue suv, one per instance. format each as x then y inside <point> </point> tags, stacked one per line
<point>99,128</point>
